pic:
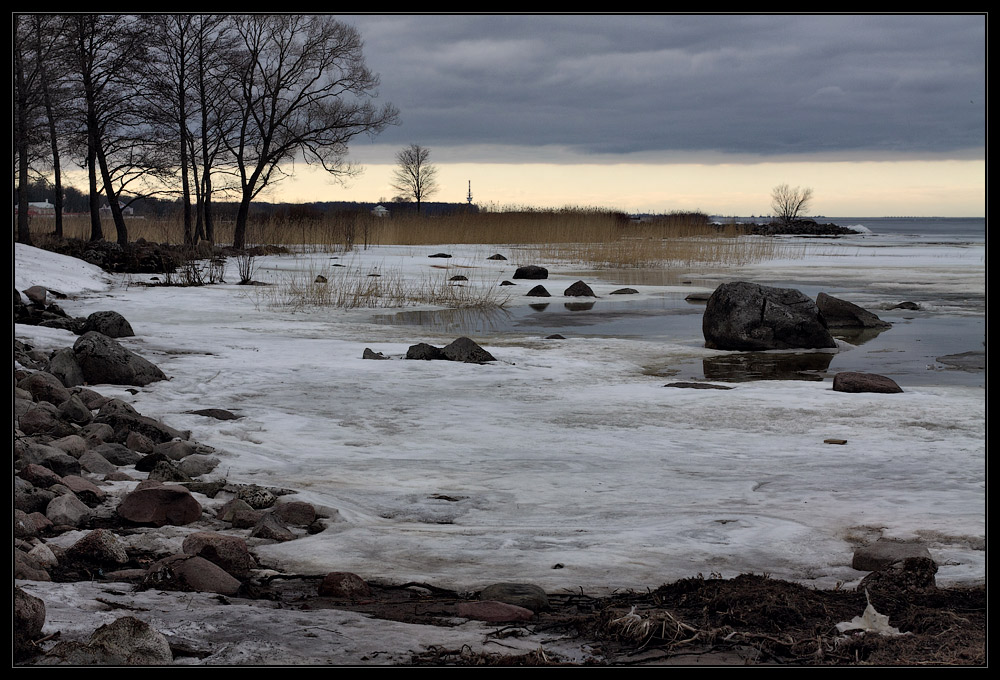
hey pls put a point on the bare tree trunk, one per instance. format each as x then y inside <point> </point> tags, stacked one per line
<point>96,232</point>
<point>109,191</point>
<point>50,117</point>
<point>240,231</point>
<point>206,200</point>
<point>186,188</point>
<point>56,170</point>
<point>199,207</point>
<point>23,224</point>
<point>23,219</point>
<point>209,53</point>
<point>184,134</point>
<point>207,206</point>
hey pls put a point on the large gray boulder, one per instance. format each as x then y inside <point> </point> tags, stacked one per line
<point>297,513</point>
<point>228,552</point>
<point>67,510</point>
<point>44,418</point>
<point>111,324</point>
<point>55,459</point>
<point>466,349</point>
<point>855,381</point>
<point>73,410</point>
<point>747,316</point>
<point>344,585</point>
<point>579,289</point>
<point>29,498</point>
<point>883,554</point>
<point>843,314</point>
<point>526,595</point>
<point>269,526</point>
<point>104,361</point>
<point>122,424</point>
<point>101,547</point>
<point>44,386</point>
<point>425,352</point>
<point>96,464</point>
<point>63,366</point>
<point>116,454</point>
<point>28,619</point>
<point>36,294</point>
<point>128,641</point>
<point>531,271</point>
<point>156,504</point>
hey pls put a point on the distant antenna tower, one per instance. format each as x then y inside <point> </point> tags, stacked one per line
<point>469,197</point>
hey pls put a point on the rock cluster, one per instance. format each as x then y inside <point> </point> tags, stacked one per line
<point>84,462</point>
<point>96,357</point>
<point>461,349</point>
<point>803,227</point>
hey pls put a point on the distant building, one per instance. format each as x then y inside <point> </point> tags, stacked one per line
<point>39,208</point>
<point>126,210</point>
<point>380,211</point>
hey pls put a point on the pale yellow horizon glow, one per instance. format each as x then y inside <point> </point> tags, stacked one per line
<point>948,188</point>
<point>855,188</point>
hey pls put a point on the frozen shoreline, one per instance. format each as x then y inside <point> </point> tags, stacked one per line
<point>561,453</point>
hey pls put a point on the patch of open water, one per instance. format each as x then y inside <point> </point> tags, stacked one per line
<point>907,352</point>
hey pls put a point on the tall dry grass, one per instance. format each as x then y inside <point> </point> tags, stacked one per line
<point>353,288</point>
<point>591,238</point>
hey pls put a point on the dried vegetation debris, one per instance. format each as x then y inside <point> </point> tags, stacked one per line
<point>752,619</point>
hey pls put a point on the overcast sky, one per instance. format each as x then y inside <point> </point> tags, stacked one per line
<point>879,114</point>
<point>684,87</point>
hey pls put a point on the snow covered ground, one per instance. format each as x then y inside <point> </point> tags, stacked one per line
<point>565,463</point>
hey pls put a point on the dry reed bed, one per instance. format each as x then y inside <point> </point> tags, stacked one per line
<point>591,239</point>
<point>352,288</point>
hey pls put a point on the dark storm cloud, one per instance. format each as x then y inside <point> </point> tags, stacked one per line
<point>770,85</point>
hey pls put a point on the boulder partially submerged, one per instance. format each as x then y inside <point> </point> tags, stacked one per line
<point>843,314</point>
<point>531,271</point>
<point>854,381</point>
<point>579,289</point>
<point>747,316</point>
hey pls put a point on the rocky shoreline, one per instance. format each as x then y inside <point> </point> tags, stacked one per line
<point>91,465</point>
<point>803,228</point>
<point>105,494</point>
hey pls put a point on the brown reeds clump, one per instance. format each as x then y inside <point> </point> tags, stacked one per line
<point>592,238</point>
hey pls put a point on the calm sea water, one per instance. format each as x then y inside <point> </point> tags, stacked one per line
<point>943,228</point>
<point>907,352</point>
<point>919,228</point>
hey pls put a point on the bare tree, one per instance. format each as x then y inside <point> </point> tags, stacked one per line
<point>304,91</point>
<point>789,204</point>
<point>168,93</point>
<point>415,177</point>
<point>27,106</point>
<point>211,44</point>
<point>107,50</point>
<point>50,49</point>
